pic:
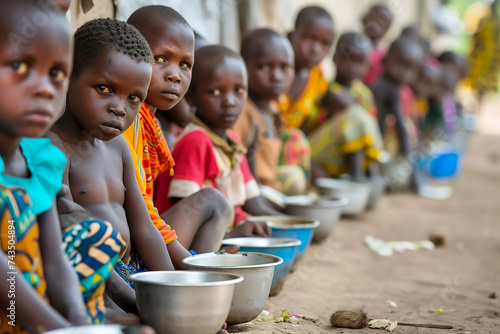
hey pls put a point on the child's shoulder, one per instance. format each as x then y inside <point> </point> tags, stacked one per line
<point>194,135</point>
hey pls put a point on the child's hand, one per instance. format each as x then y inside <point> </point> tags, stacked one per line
<point>230,249</point>
<point>251,229</point>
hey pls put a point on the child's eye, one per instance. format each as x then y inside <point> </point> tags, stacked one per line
<point>103,89</point>
<point>240,90</point>
<point>20,67</point>
<point>160,59</point>
<point>215,92</point>
<point>134,98</point>
<point>265,68</point>
<point>57,74</point>
<point>185,65</point>
<point>286,67</point>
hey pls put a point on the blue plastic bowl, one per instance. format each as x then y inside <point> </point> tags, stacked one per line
<point>300,228</point>
<point>441,166</point>
<point>284,248</point>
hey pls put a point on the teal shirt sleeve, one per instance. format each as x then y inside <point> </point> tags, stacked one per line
<point>46,164</point>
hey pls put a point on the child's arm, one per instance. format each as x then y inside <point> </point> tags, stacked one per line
<point>259,206</point>
<point>63,287</point>
<point>145,238</point>
<point>32,312</point>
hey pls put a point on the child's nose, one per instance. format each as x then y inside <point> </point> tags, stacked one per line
<point>117,108</point>
<point>229,100</point>
<point>276,74</point>
<point>173,75</point>
<point>44,86</point>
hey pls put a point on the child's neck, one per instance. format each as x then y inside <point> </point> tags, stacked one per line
<point>343,82</point>
<point>218,131</point>
<point>263,104</point>
<point>9,150</point>
<point>153,109</point>
<point>69,130</point>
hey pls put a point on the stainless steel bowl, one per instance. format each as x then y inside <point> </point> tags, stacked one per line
<point>101,329</point>
<point>285,248</point>
<point>251,295</point>
<point>324,209</point>
<point>184,302</point>
<point>356,193</point>
<point>378,185</point>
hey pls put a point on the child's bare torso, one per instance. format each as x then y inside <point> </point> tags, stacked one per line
<point>97,184</point>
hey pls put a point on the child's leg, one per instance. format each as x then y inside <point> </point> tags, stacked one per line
<point>93,247</point>
<point>200,220</point>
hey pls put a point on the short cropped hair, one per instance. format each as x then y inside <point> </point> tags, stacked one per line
<point>109,34</point>
<point>311,11</point>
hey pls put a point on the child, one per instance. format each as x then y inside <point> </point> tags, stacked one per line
<point>41,292</point>
<point>208,154</point>
<point>109,82</point>
<point>269,60</point>
<point>201,219</point>
<point>401,65</point>
<point>423,88</point>
<point>375,25</point>
<point>347,139</point>
<point>311,40</point>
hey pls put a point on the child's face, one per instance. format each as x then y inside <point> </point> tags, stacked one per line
<point>312,41</point>
<point>107,95</point>
<point>350,64</point>
<point>376,23</point>
<point>220,95</point>
<point>402,66</point>
<point>173,50</point>
<point>270,71</point>
<point>34,75</point>
<point>425,84</point>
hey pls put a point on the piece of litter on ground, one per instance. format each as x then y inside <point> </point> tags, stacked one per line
<point>387,248</point>
<point>439,310</point>
<point>391,303</point>
<point>298,315</point>
<point>284,317</point>
<point>385,324</point>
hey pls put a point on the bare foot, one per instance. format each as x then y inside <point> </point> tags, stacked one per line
<point>223,329</point>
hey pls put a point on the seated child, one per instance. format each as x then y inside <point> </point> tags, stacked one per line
<point>423,88</point>
<point>41,291</point>
<point>311,40</point>
<point>269,60</point>
<point>347,138</point>
<point>208,154</point>
<point>401,65</point>
<point>111,74</point>
<point>201,219</point>
<point>375,25</point>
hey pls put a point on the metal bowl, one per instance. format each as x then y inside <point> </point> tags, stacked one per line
<point>184,302</point>
<point>378,185</point>
<point>301,228</point>
<point>326,210</point>
<point>356,193</point>
<point>284,248</point>
<point>251,295</point>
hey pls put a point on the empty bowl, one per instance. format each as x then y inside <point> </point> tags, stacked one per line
<point>356,193</point>
<point>250,296</point>
<point>184,302</point>
<point>285,248</point>
<point>301,228</point>
<point>326,210</point>
<point>378,185</point>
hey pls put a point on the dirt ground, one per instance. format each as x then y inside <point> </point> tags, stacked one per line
<point>458,278</point>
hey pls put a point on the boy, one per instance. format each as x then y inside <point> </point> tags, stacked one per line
<point>311,40</point>
<point>40,291</point>
<point>269,60</point>
<point>375,25</point>
<point>201,219</point>
<point>208,154</point>
<point>401,65</point>
<point>109,82</point>
<point>347,139</point>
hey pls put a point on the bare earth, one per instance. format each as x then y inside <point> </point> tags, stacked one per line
<point>458,278</point>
